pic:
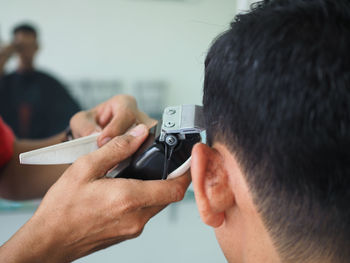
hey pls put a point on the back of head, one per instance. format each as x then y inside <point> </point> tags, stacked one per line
<point>24,28</point>
<point>277,93</point>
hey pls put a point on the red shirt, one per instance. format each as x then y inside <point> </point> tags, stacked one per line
<point>6,143</point>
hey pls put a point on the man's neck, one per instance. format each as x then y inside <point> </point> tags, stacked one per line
<point>243,236</point>
<point>25,67</point>
<point>250,241</point>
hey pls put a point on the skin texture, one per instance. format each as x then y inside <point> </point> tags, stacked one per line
<point>225,203</point>
<point>93,212</point>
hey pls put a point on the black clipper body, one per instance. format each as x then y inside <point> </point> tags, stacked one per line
<point>167,147</point>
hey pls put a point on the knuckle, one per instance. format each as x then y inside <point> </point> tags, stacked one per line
<point>130,98</point>
<point>122,143</point>
<point>127,98</point>
<point>136,229</point>
<point>87,131</point>
<point>138,232</point>
<point>130,116</point>
<point>178,192</point>
<point>126,204</point>
<point>127,114</point>
<point>84,163</point>
<point>123,206</point>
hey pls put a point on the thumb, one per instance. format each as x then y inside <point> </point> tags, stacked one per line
<point>115,151</point>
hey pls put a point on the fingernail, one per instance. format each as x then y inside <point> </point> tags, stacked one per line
<point>105,140</point>
<point>138,130</point>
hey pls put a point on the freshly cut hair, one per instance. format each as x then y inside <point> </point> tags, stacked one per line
<point>277,93</point>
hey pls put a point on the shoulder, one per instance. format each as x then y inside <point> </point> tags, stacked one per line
<point>8,76</point>
<point>8,80</point>
<point>46,76</point>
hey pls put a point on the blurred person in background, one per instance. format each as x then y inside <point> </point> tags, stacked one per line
<point>32,102</point>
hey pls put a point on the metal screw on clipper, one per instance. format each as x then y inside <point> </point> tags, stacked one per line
<point>171,111</point>
<point>169,124</point>
<point>171,140</point>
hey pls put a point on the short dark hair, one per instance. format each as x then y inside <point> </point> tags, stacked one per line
<point>25,27</point>
<point>277,94</point>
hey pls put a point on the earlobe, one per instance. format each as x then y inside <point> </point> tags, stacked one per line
<point>210,179</point>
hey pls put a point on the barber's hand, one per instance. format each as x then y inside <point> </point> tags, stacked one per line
<point>113,117</point>
<point>85,211</point>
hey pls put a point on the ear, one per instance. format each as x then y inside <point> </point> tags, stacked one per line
<point>210,180</point>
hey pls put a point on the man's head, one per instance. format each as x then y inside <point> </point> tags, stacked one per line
<point>277,108</point>
<point>25,41</point>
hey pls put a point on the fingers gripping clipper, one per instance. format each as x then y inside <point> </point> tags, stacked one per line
<point>166,153</point>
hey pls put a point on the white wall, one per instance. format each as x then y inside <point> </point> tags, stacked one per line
<point>128,40</point>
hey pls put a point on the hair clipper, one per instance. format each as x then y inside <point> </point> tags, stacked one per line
<point>166,152</point>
